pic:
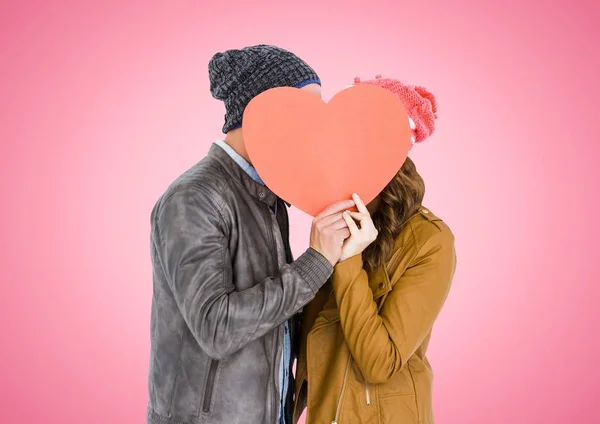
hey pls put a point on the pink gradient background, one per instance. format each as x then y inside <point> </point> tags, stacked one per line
<point>103,105</point>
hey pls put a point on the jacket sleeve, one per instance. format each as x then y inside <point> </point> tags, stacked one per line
<point>190,240</point>
<point>382,341</point>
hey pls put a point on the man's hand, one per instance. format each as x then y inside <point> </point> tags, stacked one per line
<point>329,230</point>
<point>361,237</point>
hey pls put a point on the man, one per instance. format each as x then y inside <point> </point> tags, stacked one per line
<point>226,289</point>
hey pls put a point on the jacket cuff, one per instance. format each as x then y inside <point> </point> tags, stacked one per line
<point>347,270</point>
<point>314,268</point>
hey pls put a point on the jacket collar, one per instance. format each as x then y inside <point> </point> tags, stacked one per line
<point>257,190</point>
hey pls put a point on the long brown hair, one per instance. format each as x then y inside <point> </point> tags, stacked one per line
<point>396,204</point>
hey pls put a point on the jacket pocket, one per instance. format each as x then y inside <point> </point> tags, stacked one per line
<point>401,384</point>
<point>399,409</point>
<point>210,385</point>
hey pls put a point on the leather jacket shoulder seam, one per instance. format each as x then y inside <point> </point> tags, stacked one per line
<point>216,201</point>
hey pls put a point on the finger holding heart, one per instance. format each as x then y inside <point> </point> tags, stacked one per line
<point>360,238</point>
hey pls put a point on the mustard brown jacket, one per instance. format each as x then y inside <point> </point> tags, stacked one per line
<point>364,338</point>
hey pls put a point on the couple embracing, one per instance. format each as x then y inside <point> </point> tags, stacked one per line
<point>232,310</point>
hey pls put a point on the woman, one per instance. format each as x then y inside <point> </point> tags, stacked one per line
<point>364,337</point>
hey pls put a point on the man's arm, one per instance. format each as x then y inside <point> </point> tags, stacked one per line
<point>193,249</point>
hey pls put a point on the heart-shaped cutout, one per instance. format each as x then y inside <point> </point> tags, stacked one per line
<point>311,153</point>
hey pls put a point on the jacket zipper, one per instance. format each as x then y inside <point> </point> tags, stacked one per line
<point>286,231</point>
<point>340,399</point>
<point>367,390</point>
<point>269,217</point>
<point>273,225</point>
<point>339,405</point>
<point>210,384</point>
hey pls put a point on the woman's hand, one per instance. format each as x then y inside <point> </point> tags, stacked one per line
<point>361,237</point>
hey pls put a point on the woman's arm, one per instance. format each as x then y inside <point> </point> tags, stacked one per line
<point>382,342</point>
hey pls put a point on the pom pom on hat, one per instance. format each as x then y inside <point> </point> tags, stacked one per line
<point>420,104</point>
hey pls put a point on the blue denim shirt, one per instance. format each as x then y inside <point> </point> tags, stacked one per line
<point>284,365</point>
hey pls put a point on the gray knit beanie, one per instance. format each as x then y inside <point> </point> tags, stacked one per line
<point>237,76</point>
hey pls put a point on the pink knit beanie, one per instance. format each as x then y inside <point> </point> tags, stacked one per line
<point>420,104</point>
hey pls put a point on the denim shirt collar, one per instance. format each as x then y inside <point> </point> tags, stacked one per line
<point>243,163</point>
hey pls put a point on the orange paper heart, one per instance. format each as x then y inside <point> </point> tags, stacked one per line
<point>311,153</point>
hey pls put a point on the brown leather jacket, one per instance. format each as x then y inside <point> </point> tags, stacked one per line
<point>364,337</point>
